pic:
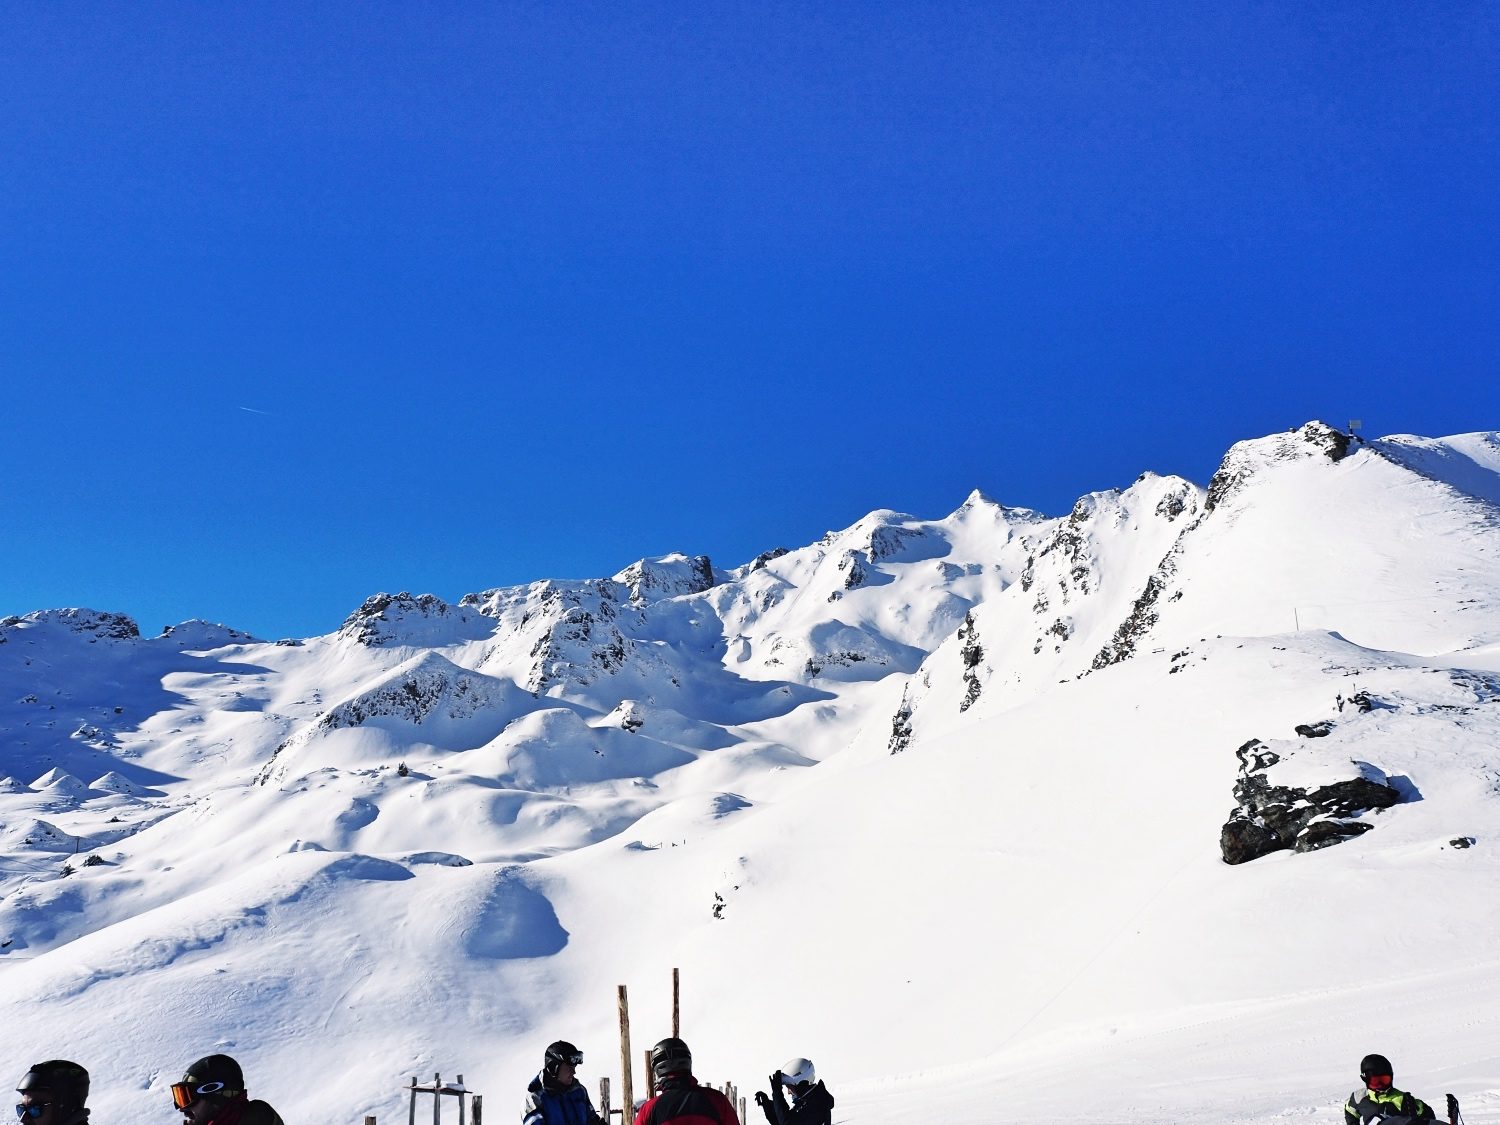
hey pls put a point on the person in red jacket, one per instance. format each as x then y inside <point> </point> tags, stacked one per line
<point>679,1099</point>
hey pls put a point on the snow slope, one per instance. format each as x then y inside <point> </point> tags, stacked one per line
<point>936,803</point>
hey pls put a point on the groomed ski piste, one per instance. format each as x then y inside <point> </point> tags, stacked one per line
<point>936,803</point>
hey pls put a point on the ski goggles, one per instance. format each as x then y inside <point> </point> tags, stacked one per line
<point>575,1059</point>
<point>1378,1081</point>
<point>184,1095</point>
<point>33,1111</point>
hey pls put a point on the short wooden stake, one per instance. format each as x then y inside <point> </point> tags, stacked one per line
<point>627,1087</point>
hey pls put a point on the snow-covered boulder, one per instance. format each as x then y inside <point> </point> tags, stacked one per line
<point>1271,817</point>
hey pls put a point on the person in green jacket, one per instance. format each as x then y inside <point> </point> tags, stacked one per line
<point>1378,1100</point>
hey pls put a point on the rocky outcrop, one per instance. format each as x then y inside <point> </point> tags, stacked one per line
<point>90,623</point>
<point>670,576</point>
<point>384,619</point>
<point>1271,818</point>
<point>901,730</point>
<point>971,652</point>
<point>431,687</point>
<point>1245,459</point>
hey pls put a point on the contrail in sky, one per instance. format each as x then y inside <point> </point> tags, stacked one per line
<point>252,410</point>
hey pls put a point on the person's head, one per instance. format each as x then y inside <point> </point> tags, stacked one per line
<point>561,1064</point>
<point>208,1085</point>
<point>52,1091</point>
<point>1375,1072</point>
<point>670,1057</point>
<point>799,1075</point>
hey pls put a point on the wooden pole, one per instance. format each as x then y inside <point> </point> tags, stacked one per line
<point>650,1075</point>
<point>437,1100</point>
<point>478,1109</point>
<point>676,1005</point>
<point>460,1099</point>
<point>604,1110</point>
<point>743,1119</point>
<point>369,1120</point>
<point>627,1087</point>
<point>411,1116</point>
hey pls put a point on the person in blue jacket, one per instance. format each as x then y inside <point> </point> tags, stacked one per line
<point>555,1096</point>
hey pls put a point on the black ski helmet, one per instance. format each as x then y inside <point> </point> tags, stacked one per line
<point>67,1082</point>
<point>671,1056</point>
<point>1374,1064</point>
<point>559,1053</point>
<point>215,1070</point>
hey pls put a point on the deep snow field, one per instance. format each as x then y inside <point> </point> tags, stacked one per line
<point>439,838</point>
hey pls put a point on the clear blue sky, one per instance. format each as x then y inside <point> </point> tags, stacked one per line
<point>301,302</point>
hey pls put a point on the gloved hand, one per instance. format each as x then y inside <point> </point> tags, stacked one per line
<point>776,1080</point>
<point>762,1099</point>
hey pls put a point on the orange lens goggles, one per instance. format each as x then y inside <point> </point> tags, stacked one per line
<point>184,1095</point>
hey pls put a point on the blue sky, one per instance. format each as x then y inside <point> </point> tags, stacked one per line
<point>303,302</point>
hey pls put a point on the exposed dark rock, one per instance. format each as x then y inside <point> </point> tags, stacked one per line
<point>370,624</point>
<point>972,653</point>
<point>1172,505</point>
<point>889,540</point>
<point>760,560</point>
<point>1142,616</point>
<point>855,574</point>
<point>1462,842</point>
<point>1245,459</point>
<point>1320,729</point>
<point>901,726</point>
<point>1277,818</point>
<point>86,622</point>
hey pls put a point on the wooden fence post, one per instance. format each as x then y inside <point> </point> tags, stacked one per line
<point>604,1110</point>
<point>650,1076</point>
<point>478,1108</point>
<point>628,1087</point>
<point>676,1006</point>
<point>437,1100</point>
<point>411,1116</point>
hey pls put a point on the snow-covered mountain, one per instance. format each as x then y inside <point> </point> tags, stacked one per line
<point>1168,809</point>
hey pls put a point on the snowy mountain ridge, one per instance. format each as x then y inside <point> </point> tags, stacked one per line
<point>1022,725</point>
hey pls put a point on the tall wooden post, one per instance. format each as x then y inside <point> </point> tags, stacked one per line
<point>650,1074</point>
<point>743,1119</point>
<point>460,1099</point>
<point>479,1109</point>
<point>411,1116</point>
<point>604,1110</point>
<point>676,1005</point>
<point>628,1087</point>
<point>437,1100</point>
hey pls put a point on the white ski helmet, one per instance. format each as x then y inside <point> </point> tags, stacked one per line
<point>799,1071</point>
